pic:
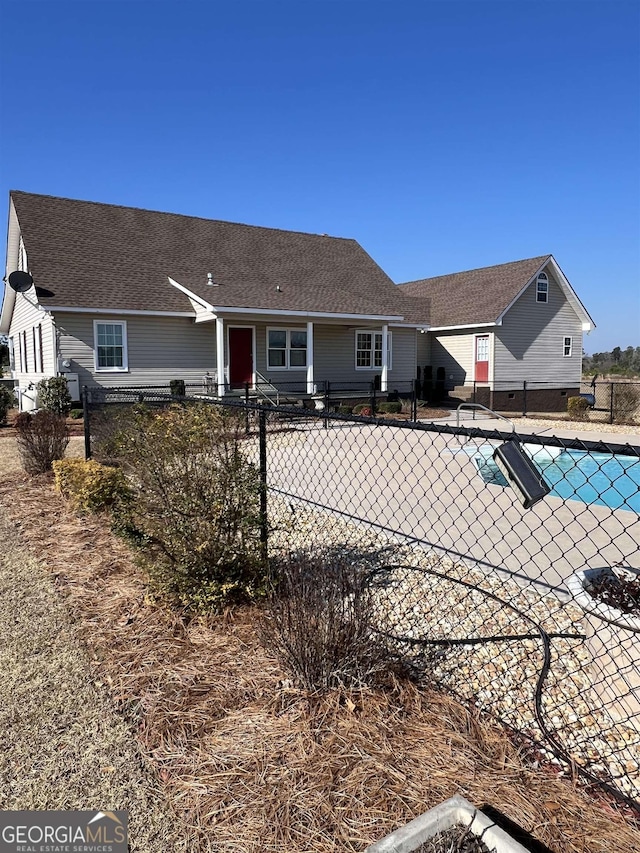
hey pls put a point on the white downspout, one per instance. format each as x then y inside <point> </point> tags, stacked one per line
<point>220,355</point>
<point>310,388</point>
<point>384,379</point>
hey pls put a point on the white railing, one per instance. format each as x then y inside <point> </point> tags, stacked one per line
<point>478,406</point>
<point>262,380</point>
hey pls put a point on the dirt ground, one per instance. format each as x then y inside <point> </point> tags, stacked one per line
<point>109,701</point>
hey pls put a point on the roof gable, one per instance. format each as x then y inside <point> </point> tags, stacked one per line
<point>474,297</point>
<point>101,256</point>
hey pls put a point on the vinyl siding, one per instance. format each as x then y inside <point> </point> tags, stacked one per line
<point>27,317</point>
<point>159,349</point>
<point>454,351</point>
<point>529,344</point>
<point>203,315</point>
<point>335,356</point>
<point>423,349</point>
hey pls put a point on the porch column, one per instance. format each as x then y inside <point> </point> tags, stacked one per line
<point>220,355</point>
<point>385,358</point>
<point>309,358</point>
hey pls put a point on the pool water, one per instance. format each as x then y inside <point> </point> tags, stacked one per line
<point>592,478</point>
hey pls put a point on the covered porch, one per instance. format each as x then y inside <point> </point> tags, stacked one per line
<point>296,356</point>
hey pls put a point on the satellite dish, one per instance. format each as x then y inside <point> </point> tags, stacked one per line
<point>20,281</point>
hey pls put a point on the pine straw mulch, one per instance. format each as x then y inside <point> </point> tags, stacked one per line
<point>251,764</point>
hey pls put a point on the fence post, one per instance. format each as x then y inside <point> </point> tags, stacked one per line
<point>87,425</point>
<point>246,411</point>
<point>262,442</point>
<point>372,400</point>
<point>327,389</point>
<point>611,405</point>
<point>414,402</point>
<point>474,391</point>
<point>524,399</point>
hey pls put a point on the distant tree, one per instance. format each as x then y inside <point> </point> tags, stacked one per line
<point>616,352</point>
<point>626,359</point>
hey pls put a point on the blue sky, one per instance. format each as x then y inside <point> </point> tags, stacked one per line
<point>441,135</point>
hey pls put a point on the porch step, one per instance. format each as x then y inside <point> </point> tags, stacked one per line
<point>463,393</point>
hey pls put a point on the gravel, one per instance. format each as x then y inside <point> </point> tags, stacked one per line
<point>500,676</point>
<point>579,427</point>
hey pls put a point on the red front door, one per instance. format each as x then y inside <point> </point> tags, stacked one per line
<point>482,358</point>
<point>240,356</point>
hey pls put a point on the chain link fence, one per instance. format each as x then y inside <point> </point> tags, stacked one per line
<point>490,598</point>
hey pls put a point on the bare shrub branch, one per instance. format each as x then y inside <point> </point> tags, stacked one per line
<point>41,438</point>
<point>321,624</point>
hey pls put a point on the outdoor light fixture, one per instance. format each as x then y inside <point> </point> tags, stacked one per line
<point>521,473</point>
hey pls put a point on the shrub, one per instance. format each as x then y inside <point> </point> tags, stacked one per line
<point>195,504</point>
<point>53,394</point>
<point>7,400</point>
<point>344,410</point>
<point>319,624</point>
<point>362,409</point>
<point>41,438</point>
<point>390,408</point>
<point>626,400</point>
<point>90,486</point>
<point>577,408</point>
<point>110,427</point>
<point>76,414</point>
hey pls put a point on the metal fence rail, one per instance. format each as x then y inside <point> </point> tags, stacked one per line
<point>467,582</point>
<point>609,401</point>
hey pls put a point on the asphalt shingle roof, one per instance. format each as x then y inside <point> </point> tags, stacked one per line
<point>475,296</point>
<point>93,255</point>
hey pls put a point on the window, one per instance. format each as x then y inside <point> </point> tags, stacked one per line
<point>40,348</point>
<point>110,342</point>
<point>567,346</point>
<point>542,288</point>
<point>286,349</point>
<point>35,351</point>
<point>369,350</point>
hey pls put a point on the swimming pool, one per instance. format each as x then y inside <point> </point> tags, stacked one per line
<point>591,478</point>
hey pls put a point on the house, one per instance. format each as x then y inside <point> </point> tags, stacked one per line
<point>118,296</point>
<point>504,331</point>
<point>127,297</point>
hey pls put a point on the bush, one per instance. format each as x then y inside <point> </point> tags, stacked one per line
<point>626,401</point>
<point>41,438</point>
<point>7,401</point>
<point>53,394</point>
<point>90,486</point>
<point>362,409</point>
<point>344,410</point>
<point>76,414</point>
<point>577,408</point>
<point>390,408</point>
<point>194,506</point>
<point>319,624</point>
<point>110,427</point>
